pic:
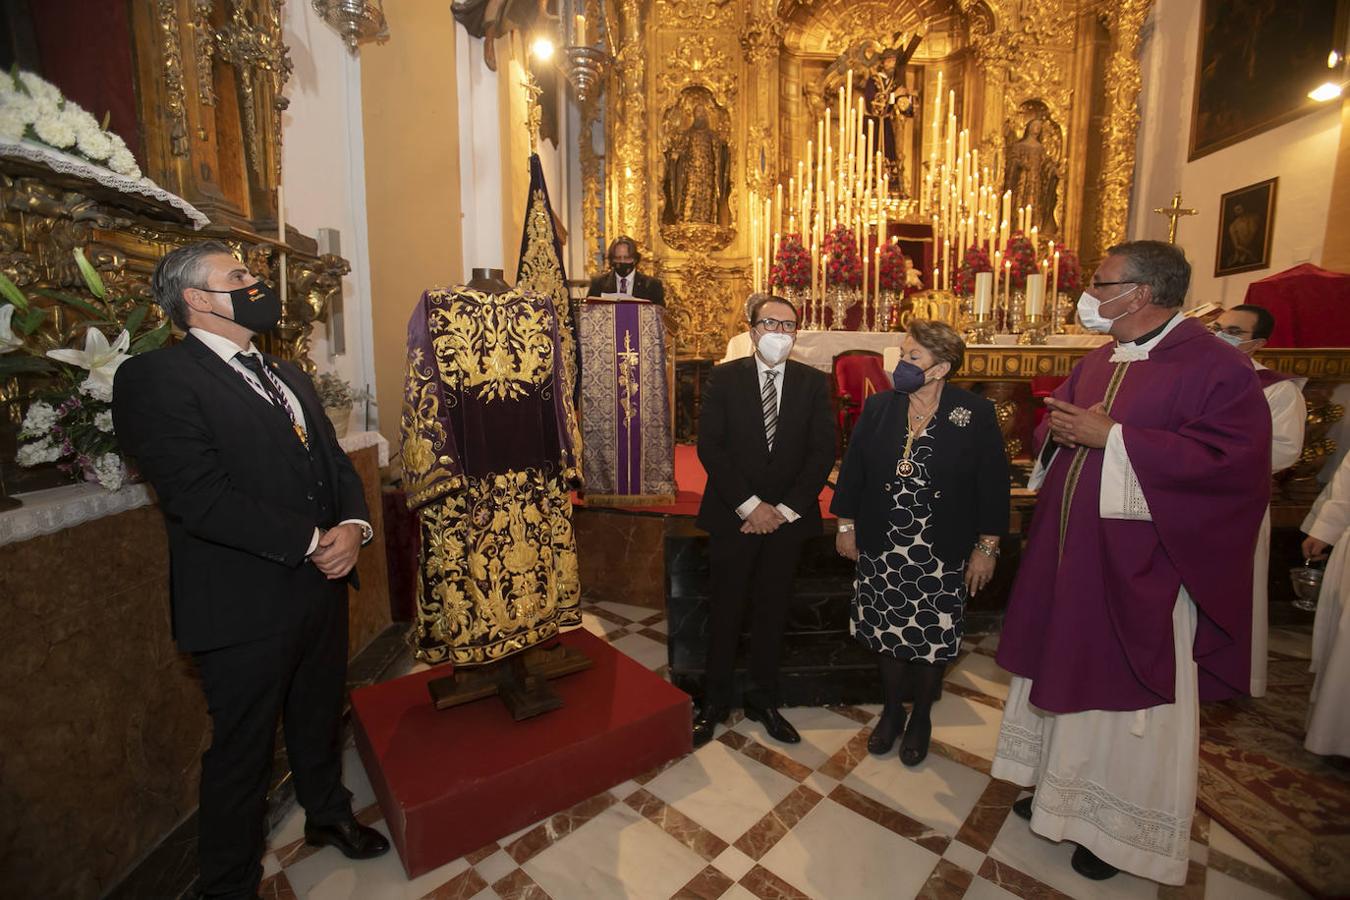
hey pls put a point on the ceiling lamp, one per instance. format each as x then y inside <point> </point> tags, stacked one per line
<point>355,20</point>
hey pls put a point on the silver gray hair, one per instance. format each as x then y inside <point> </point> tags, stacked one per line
<point>180,269</point>
<point>1161,266</point>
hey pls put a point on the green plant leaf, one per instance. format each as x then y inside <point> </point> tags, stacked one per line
<point>30,320</point>
<point>151,340</point>
<point>84,306</point>
<point>17,364</point>
<point>11,292</point>
<point>134,320</point>
<point>90,274</point>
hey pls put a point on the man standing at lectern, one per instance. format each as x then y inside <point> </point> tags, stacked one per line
<point>623,277</point>
<point>266,517</point>
<point>766,439</point>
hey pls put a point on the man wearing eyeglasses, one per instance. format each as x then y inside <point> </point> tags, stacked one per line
<point>766,439</point>
<point>1132,602</point>
<point>1247,328</point>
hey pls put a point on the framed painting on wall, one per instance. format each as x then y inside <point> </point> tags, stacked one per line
<point>1256,63</point>
<point>1246,223</point>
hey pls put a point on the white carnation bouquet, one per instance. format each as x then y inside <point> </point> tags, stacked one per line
<point>33,109</point>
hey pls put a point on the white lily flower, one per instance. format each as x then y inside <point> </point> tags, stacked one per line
<point>100,358</point>
<point>8,339</point>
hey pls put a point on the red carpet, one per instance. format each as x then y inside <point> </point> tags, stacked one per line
<point>452,781</point>
<point>691,481</point>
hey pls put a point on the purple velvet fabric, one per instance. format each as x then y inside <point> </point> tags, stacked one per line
<point>1092,625</point>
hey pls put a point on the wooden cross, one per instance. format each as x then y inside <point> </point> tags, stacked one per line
<point>1173,212</point>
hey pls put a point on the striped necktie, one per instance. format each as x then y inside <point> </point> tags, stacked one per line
<point>770,399</point>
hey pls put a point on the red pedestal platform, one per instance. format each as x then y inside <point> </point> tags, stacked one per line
<point>452,781</point>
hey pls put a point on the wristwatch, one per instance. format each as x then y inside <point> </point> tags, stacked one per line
<point>844,528</point>
<point>989,549</point>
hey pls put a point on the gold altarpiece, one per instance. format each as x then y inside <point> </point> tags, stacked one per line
<point>207,87</point>
<point>758,71</point>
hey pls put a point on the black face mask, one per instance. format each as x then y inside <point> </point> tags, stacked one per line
<point>623,270</point>
<point>256,307</point>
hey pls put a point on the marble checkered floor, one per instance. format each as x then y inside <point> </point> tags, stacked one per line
<point>744,817</point>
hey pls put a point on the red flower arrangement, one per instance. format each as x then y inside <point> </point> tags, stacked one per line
<point>893,267</point>
<point>1023,258</point>
<point>1070,272</point>
<point>843,267</point>
<point>792,264</point>
<point>977,260</point>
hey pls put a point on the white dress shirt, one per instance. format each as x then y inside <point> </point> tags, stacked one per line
<point>761,367</point>
<point>227,349</point>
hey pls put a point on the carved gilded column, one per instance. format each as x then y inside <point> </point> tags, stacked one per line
<point>628,171</point>
<point>1120,119</point>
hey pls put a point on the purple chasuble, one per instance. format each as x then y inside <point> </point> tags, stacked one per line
<point>1091,623</point>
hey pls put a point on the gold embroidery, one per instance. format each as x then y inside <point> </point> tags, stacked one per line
<point>540,273</point>
<point>499,569</point>
<point>493,345</point>
<point>1080,455</point>
<point>424,438</point>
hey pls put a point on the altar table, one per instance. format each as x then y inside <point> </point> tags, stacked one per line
<point>819,348</point>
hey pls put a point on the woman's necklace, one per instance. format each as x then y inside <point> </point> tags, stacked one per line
<point>917,423</point>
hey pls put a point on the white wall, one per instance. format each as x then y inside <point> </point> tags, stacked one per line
<point>323,171</point>
<point>480,157</point>
<point>1302,154</point>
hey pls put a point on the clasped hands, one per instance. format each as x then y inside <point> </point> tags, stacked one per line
<point>763,519</point>
<point>337,550</point>
<point>1074,426</point>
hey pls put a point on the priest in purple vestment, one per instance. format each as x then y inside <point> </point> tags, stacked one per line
<point>1133,599</point>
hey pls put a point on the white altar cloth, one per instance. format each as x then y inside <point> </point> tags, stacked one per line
<point>819,348</point>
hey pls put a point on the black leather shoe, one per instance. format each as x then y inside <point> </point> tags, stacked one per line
<point>779,728</point>
<point>355,840</point>
<point>706,720</point>
<point>889,727</point>
<point>914,745</point>
<point>1090,865</point>
<point>1023,807</point>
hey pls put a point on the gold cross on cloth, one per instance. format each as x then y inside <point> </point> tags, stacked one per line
<point>1173,212</point>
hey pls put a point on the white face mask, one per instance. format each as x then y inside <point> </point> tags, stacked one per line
<point>1090,315</point>
<point>774,347</point>
<point>1230,339</point>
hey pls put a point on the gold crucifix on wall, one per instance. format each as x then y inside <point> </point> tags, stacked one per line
<point>1173,213</point>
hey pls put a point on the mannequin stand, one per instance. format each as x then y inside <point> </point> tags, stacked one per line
<point>521,680</point>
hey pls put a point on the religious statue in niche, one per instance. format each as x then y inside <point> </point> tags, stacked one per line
<point>697,182</point>
<point>881,82</point>
<point>1031,171</point>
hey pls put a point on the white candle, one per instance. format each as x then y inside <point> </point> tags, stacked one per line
<point>1035,294</point>
<point>984,294</point>
<point>580,27</point>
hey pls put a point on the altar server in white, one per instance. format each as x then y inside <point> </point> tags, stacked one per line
<point>1247,327</point>
<point>1327,524</point>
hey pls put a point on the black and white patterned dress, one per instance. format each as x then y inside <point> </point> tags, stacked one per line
<point>908,603</point>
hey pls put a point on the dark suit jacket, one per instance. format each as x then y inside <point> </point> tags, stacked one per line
<point>238,493</point>
<point>645,287</point>
<point>735,454</point>
<point>969,468</point>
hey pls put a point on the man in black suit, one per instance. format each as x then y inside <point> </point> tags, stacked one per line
<point>265,517</point>
<point>766,439</point>
<point>623,277</point>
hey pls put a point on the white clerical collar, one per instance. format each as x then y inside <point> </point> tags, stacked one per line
<point>1129,352</point>
<point>222,346</point>
<point>761,367</point>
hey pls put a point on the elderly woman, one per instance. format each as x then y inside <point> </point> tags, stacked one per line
<point>922,500</point>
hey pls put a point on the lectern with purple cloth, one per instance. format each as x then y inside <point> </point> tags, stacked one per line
<point>628,456</point>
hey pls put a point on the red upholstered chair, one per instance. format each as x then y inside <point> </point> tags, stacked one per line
<point>858,374</point>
